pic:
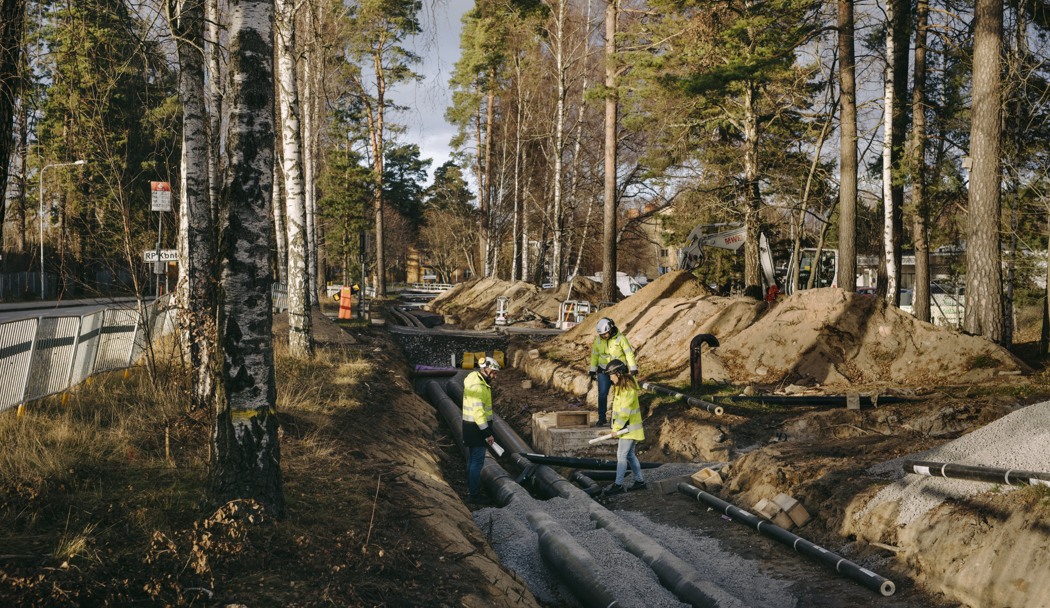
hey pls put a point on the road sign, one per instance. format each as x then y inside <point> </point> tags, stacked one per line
<point>166,255</point>
<point>160,196</point>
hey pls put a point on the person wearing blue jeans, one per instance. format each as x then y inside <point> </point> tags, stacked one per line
<point>627,424</point>
<point>608,346</point>
<point>477,423</point>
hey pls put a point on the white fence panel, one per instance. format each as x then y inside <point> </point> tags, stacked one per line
<point>87,346</point>
<point>16,352</point>
<point>52,356</point>
<point>119,328</point>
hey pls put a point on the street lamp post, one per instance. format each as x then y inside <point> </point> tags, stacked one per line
<point>41,216</point>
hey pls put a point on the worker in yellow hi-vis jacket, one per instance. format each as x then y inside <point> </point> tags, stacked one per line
<point>610,344</point>
<point>477,422</point>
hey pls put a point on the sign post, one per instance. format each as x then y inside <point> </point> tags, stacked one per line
<point>160,201</point>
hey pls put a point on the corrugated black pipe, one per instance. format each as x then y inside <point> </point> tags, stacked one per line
<point>570,562</point>
<point>674,573</point>
<point>586,483</point>
<point>693,401</point>
<point>1012,477</point>
<point>841,565</point>
<point>579,463</point>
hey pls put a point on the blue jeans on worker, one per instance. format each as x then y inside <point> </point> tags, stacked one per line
<point>604,384</point>
<point>625,455</point>
<point>475,461</point>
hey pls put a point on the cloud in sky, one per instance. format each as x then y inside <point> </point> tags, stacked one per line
<point>426,100</point>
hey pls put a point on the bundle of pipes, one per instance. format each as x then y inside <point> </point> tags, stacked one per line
<point>841,565</point>
<point>1011,477</point>
<point>564,556</point>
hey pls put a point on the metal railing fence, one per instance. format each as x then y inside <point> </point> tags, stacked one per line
<point>43,356</point>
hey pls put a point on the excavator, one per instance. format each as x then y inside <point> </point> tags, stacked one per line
<point>826,268</point>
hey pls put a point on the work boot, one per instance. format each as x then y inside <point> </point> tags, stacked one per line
<point>601,423</point>
<point>638,485</point>
<point>614,489</point>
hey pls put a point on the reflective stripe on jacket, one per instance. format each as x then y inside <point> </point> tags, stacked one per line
<point>626,413</point>
<point>477,401</point>
<point>616,347</point>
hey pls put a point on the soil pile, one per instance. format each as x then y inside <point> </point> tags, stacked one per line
<point>472,305</point>
<point>819,337</point>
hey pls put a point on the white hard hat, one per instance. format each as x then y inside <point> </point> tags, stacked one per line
<point>606,326</point>
<point>489,363</point>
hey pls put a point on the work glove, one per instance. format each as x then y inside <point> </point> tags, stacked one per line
<point>594,375</point>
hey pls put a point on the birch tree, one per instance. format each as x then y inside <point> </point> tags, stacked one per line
<point>196,241</point>
<point>300,339</point>
<point>246,459</point>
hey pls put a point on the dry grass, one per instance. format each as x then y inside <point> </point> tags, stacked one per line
<point>104,494</point>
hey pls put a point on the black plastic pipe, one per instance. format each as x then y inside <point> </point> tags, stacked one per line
<point>586,482</point>
<point>693,401</point>
<point>598,475</point>
<point>1012,477</point>
<point>579,463</point>
<point>696,372</point>
<point>841,565</point>
<point>567,558</point>
<point>825,400</point>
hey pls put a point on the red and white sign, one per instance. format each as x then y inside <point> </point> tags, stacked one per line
<point>160,196</point>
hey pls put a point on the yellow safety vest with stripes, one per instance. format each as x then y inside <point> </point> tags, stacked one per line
<point>616,347</point>
<point>477,400</point>
<point>626,413</point>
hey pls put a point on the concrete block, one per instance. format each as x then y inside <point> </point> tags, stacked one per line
<point>853,401</point>
<point>794,509</point>
<point>564,420</point>
<point>707,478</point>
<point>548,439</point>
<point>526,384</point>
<point>670,485</point>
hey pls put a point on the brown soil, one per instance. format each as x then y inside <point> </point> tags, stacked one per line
<point>829,342</point>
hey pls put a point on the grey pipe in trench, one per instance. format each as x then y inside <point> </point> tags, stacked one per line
<point>1011,477</point>
<point>693,401</point>
<point>841,565</point>
<point>564,555</point>
<point>678,576</point>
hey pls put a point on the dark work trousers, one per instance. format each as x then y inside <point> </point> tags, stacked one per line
<point>604,384</point>
<point>474,464</point>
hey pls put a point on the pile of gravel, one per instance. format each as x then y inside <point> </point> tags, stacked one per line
<point>629,579</point>
<point>1018,440</point>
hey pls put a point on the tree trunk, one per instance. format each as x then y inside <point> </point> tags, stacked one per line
<point>196,240</point>
<point>919,206</point>
<point>984,304</point>
<point>888,286</point>
<point>752,196</point>
<point>486,196</point>
<point>609,290</point>
<point>300,339</point>
<point>246,461</point>
<point>12,21</point>
<point>847,272</point>
<point>557,263</point>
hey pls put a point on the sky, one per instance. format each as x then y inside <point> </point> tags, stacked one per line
<point>438,47</point>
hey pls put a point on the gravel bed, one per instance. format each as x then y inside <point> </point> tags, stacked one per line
<point>1019,440</point>
<point>630,580</point>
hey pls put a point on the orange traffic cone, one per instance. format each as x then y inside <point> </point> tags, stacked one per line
<point>345,294</point>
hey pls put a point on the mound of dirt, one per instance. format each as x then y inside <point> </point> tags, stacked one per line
<point>472,305</point>
<point>818,337</point>
<point>835,337</point>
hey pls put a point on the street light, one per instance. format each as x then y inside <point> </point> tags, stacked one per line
<point>40,218</point>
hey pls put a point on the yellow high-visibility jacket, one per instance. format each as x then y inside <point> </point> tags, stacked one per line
<point>616,347</point>
<point>626,413</point>
<point>477,409</point>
